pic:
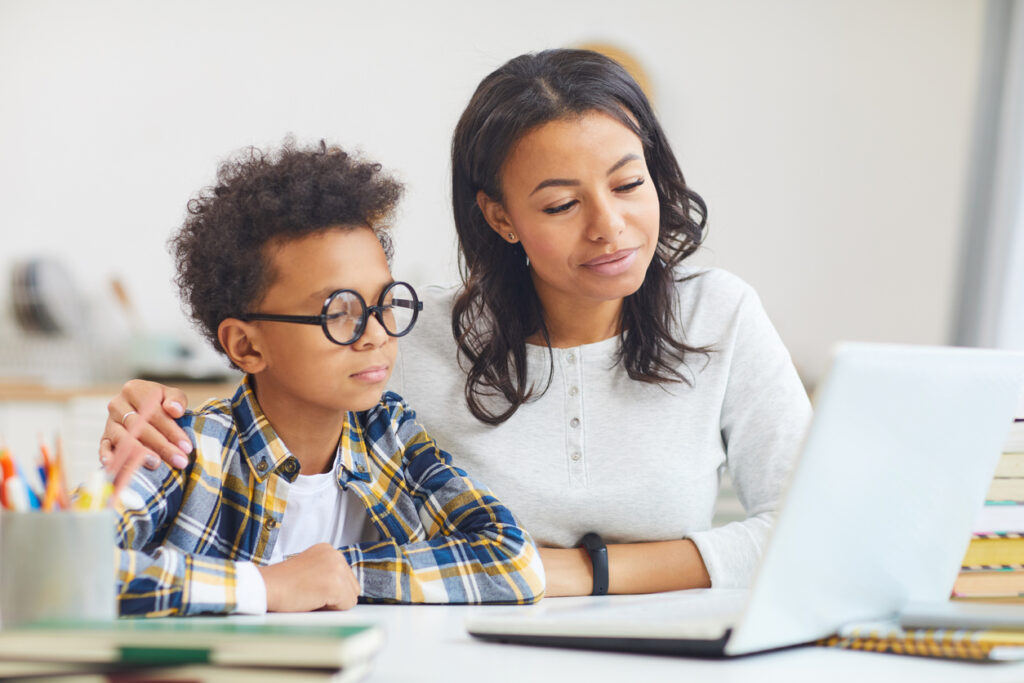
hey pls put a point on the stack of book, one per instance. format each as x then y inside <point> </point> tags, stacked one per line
<point>187,649</point>
<point>993,568</point>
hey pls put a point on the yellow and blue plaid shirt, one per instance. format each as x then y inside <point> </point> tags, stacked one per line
<point>445,538</point>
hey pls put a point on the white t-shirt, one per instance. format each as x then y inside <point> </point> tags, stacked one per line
<point>632,461</point>
<point>317,511</point>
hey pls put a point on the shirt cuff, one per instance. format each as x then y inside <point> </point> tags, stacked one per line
<point>250,589</point>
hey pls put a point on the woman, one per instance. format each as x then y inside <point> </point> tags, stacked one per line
<point>582,371</point>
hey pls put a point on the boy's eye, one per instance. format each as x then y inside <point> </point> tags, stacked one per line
<point>630,186</point>
<point>560,208</point>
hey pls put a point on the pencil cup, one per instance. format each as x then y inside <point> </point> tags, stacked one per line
<point>56,566</point>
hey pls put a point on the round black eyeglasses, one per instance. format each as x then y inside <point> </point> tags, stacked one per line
<point>343,317</point>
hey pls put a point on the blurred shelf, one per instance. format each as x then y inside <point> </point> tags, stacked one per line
<point>17,390</point>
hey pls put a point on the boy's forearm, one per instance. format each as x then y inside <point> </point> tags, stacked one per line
<point>474,550</point>
<point>479,568</point>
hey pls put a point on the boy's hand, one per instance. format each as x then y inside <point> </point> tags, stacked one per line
<point>317,578</point>
<point>140,423</point>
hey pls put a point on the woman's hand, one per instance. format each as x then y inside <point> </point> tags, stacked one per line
<point>141,430</point>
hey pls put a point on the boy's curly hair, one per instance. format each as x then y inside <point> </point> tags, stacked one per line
<point>262,197</point>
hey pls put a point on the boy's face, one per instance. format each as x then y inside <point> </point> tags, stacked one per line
<point>302,365</point>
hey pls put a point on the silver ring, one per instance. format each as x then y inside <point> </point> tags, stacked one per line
<point>125,417</point>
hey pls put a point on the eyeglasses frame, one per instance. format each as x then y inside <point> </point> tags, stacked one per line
<point>322,319</point>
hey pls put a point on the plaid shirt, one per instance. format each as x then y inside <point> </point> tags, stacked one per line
<point>445,538</point>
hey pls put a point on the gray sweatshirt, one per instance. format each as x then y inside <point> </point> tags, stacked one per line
<point>633,461</point>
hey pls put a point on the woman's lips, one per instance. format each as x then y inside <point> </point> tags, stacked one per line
<point>374,374</point>
<point>612,264</point>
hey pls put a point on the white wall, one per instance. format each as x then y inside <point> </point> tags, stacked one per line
<point>828,138</point>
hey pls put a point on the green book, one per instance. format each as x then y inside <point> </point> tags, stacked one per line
<point>176,641</point>
<point>63,672</point>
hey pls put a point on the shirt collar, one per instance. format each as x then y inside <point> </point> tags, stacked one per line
<point>352,448</point>
<point>260,445</point>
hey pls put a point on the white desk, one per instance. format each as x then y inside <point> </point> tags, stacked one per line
<point>429,643</point>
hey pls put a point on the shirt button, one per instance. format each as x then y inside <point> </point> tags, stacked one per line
<point>571,357</point>
<point>262,466</point>
<point>574,423</point>
<point>576,456</point>
<point>270,524</point>
<point>573,391</point>
<point>289,467</point>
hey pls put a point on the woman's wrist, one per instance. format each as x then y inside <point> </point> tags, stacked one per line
<point>567,571</point>
<point>596,550</point>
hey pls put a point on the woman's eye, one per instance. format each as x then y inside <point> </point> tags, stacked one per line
<point>630,186</point>
<point>560,208</point>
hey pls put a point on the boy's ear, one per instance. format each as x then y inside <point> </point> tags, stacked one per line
<point>496,217</point>
<point>243,344</point>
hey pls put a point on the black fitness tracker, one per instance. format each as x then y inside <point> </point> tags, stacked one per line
<point>595,547</point>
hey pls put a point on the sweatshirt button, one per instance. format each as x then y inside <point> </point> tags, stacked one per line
<point>574,423</point>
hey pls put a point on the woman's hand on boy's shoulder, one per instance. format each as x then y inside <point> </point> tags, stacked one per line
<point>141,430</point>
<point>317,578</point>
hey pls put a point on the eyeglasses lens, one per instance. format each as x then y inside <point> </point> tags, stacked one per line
<point>343,316</point>
<point>399,309</point>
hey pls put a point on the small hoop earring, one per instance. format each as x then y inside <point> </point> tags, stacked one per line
<point>512,237</point>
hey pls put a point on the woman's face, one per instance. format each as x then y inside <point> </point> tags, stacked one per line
<point>578,195</point>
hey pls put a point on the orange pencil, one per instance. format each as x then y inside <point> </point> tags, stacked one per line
<point>51,494</point>
<point>6,472</point>
<point>47,461</point>
<point>63,498</point>
<point>50,489</point>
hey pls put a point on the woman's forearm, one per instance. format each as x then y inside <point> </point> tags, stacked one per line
<point>632,568</point>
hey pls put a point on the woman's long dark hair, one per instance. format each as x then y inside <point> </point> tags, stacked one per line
<point>498,308</point>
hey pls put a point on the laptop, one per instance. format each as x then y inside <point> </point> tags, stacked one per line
<point>877,515</point>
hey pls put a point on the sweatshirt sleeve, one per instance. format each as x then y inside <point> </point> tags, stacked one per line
<point>449,539</point>
<point>764,417</point>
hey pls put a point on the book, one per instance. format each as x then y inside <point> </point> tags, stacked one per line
<point>1011,464</point>
<point>204,641</point>
<point>995,550</point>
<point>987,600</point>
<point>1006,490</point>
<point>996,517</point>
<point>1015,439</point>
<point>188,673</point>
<point>997,583</point>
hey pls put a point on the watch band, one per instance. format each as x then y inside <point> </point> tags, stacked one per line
<point>598,552</point>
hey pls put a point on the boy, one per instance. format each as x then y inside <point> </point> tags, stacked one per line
<point>308,489</point>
